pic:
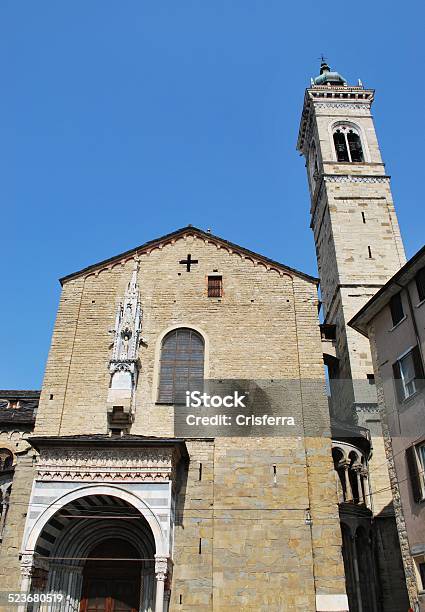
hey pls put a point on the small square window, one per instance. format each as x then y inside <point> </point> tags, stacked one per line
<point>396,306</point>
<point>420,284</point>
<point>215,286</point>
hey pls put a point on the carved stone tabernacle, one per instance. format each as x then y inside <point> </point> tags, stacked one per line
<point>124,363</point>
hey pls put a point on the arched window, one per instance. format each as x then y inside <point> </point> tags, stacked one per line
<point>6,459</point>
<point>181,365</point>
<point>338,459</point>
<point>348,145</point>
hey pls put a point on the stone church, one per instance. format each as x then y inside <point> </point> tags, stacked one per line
<point>110,508</point>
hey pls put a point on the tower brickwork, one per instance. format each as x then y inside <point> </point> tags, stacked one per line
<point>358,248</point>
<point>356,232</point>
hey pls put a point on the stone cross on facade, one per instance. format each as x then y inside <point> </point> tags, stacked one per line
<point>188,262</point>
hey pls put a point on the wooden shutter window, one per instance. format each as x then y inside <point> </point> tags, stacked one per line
<point>181,366</point>
<point>420,284</point>
<point>215,286</point>
<point>419,368</point>
<point>396,307</point>
<point>415,481</point>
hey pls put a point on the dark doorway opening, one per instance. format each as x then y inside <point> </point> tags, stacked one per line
<point>112,578</point>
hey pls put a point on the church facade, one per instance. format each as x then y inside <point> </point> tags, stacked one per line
<point>122,509</point>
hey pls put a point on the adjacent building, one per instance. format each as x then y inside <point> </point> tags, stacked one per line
<point>17,418</point>
<point>394,322</point>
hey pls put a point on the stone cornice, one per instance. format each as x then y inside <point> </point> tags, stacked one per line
<point>357,106</point>
<point>355,178</point>
<point>103,441</point>
<point>332,97</point>
<point>342,178</point>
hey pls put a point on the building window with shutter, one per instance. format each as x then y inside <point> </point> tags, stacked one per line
<point>215,286</point>
<point>396,307</point>
<point>420,284</point>
<point>408,374</point>
<point>421,570</point>
<point>181,365</point>
<point>415,458</point>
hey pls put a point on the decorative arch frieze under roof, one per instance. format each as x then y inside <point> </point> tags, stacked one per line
<point>206,237</point>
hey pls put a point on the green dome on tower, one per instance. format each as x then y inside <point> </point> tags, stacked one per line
<point>326,76</point>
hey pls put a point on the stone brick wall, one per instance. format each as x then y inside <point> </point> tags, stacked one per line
<point>352,211</point>
<point>253,331</point>
<point>10,547</point>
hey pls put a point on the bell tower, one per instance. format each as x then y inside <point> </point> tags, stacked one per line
<point>356,233</point>
<point>358,248</point>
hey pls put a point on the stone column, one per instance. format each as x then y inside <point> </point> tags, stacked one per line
<point>161,570</point>
<point>167,597</point>
<point>365,476</point>
<point>27,570</point>
<point>358,469</point>
<point>4,506</point>
<point>348,493</point>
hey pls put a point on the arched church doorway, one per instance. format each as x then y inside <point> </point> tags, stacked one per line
<point>97,553</point>
<point>112,578</point>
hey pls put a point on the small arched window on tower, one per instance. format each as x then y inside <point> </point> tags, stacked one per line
<point>181,366</point>
<point>348,144</point>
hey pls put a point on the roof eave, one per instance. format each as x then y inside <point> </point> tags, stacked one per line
<point>400,279</point>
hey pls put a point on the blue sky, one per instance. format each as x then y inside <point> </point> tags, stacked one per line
<point>122,121</point>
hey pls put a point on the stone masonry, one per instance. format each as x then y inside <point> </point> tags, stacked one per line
<point>264,326</point>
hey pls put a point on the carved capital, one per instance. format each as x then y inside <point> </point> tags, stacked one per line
<point>27,566</point>
<point>161,567</point>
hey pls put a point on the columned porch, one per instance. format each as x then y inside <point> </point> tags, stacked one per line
<point>100,527</point>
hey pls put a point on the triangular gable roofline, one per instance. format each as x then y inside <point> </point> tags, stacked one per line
<point>189,230</point>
